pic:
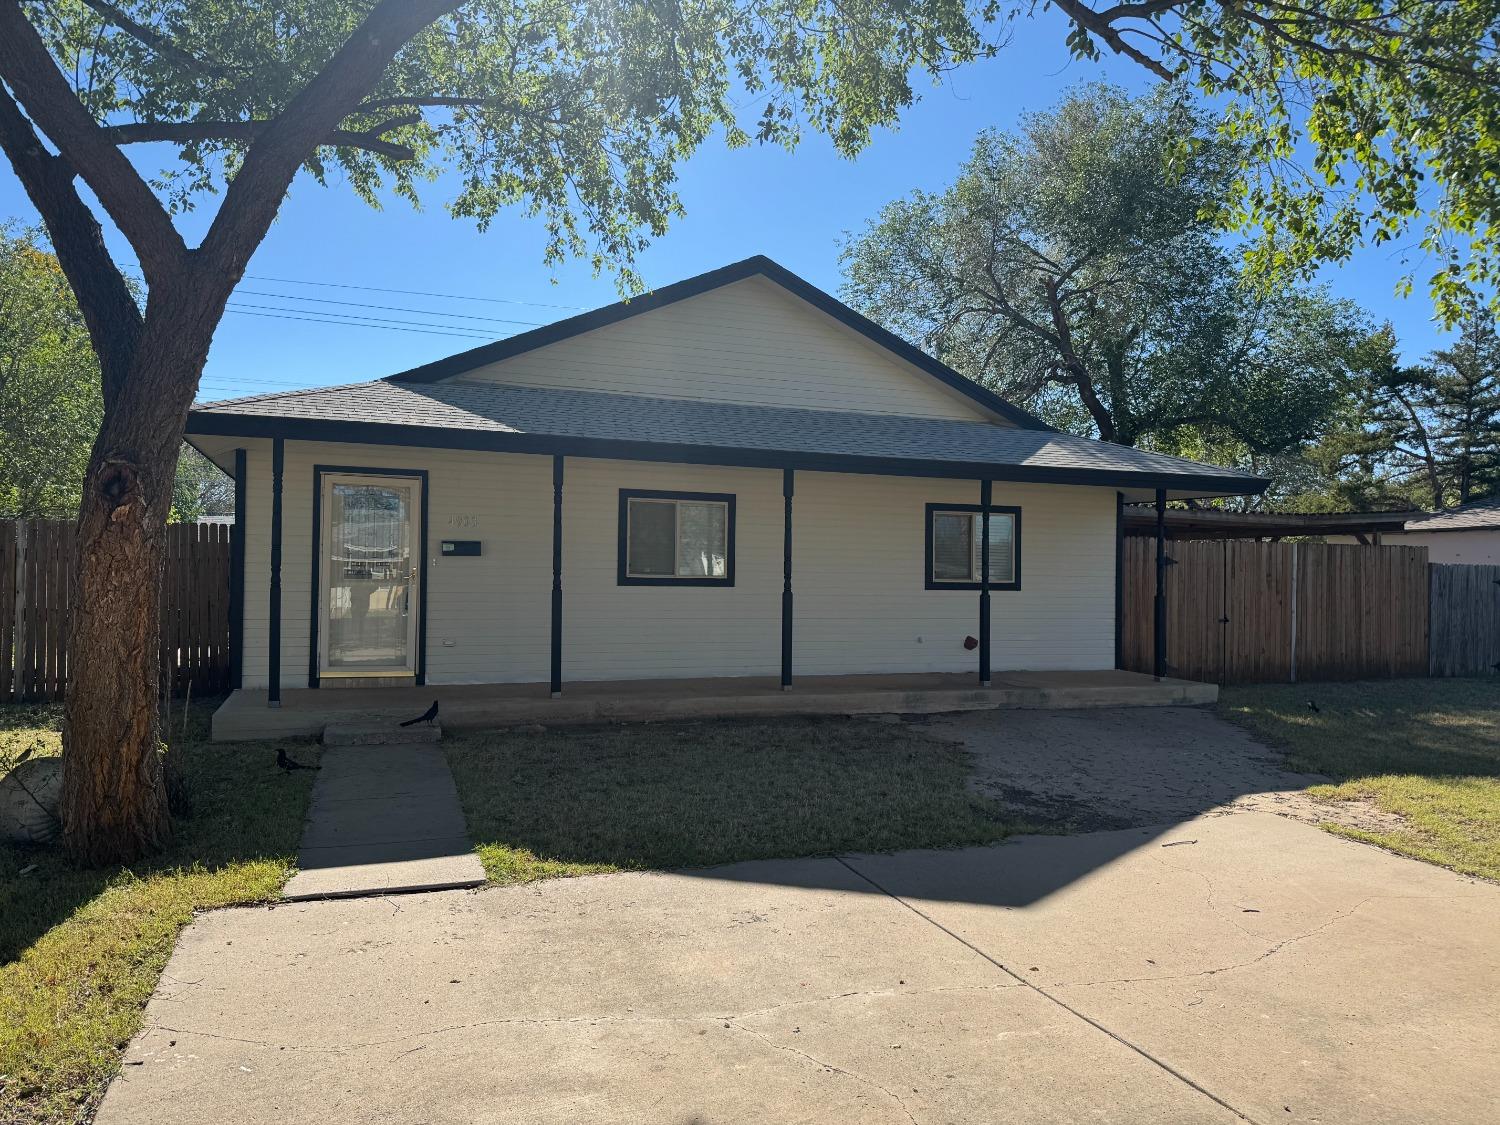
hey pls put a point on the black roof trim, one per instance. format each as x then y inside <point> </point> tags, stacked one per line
<point>760,266</point>
<point>438,437</point>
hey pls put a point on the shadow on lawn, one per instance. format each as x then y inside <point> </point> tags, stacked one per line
<point>244,811</point>
<point>698,796</point>
<point>701,797</point>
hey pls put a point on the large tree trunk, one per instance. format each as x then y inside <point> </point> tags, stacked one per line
<point>114,799</point>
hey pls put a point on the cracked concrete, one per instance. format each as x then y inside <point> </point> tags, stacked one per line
<point>1228,969</point>
<point>1124,767</point>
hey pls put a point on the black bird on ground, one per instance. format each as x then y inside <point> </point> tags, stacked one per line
<point>290,764</point>
<point>1312,705</point>
<point>426,716</point>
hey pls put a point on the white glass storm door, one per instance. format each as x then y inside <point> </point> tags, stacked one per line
<point>369,575</point>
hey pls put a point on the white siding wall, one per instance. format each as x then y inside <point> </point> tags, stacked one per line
<point>750,342</point>
<point>613,632</point>
<point>859,578</point>
<point>858,574</point>
<point>494,608</point>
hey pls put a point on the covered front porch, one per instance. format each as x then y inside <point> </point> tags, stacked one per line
<point>244,715</point>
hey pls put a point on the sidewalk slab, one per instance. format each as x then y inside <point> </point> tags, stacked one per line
<point>383,819</point>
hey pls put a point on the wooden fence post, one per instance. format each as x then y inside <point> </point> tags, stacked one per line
<point>1292,600</point>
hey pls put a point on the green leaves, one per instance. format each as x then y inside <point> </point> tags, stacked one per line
<point>577,113</point>
<point>1075,267</point>
<point>1358,122</point>
<point>49,383</point>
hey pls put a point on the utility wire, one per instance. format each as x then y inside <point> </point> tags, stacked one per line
<point>387,308</point>
<point>357,324</point>
<point>412,292</point>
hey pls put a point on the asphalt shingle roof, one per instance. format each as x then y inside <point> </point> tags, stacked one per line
<point>1477,516</point>
<point>500,409</point>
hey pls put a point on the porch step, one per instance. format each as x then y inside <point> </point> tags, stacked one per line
<point>377,733</point>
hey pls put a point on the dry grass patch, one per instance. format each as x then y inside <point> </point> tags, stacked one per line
<point>1425,750</point>
<point>668,795</point>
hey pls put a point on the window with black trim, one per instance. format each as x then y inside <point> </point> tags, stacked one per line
<point>953,547</point>
<point>676,538</point>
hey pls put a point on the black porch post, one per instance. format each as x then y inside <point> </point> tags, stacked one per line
<point>237,577</point>
<point>787,484</point>
<point>1160,663</point>
<point>557,548</point>
<point>985,495</point>
<point>1119,580</point>
<point>273,655</point>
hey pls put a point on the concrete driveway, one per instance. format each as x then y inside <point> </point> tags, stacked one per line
<point>1232,968</point>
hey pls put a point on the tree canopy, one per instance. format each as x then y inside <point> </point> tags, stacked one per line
<point>49,383</point>
<point>1357,121</point>
<point>578,113</point>
<point>1433,428</point>
<point>1070,268</point>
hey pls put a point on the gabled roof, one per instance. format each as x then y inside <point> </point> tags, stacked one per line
<point>758,266</point>
<point>469,414</point>
<point>1479,515</point>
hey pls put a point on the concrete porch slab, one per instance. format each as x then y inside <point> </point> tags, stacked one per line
<point>303,712</point>
<point>383,819</point>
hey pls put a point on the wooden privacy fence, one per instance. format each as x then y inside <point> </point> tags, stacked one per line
<point>36,568</point>
<point>1465,620</point>
<point>1241,611</point>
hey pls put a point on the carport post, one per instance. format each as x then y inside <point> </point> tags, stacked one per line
<point>1160,663</point>
<point>557,545</point>
<point>985,496</point>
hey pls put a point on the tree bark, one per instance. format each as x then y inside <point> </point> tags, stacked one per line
<point>114,799</point>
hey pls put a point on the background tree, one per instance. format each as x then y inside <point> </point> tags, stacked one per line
<point>1435,426</point>
<point>50,405</point>
<point>1355,121</point>
<point>49,383</point>
<point>576,112</point>
<point>1073,268</point>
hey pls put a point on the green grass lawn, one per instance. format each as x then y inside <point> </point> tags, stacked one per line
<point>1427,750</point>
<point>578,801</point>
<point>81,951</point>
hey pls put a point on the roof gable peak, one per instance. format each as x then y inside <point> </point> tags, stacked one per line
<point>456,366</point>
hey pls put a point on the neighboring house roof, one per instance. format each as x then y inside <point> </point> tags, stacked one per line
<point>1481,515</point>
<point>456,413</point>
<point>758,266</point>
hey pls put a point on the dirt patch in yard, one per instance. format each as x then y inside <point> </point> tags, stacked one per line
<point>1089,771</point>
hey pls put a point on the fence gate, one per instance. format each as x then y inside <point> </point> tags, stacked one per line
<point>1240,611</point>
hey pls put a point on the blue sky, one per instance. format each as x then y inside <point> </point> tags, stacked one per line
<point>792,207</point>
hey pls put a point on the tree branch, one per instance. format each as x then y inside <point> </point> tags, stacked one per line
<point>1097,24</point>
<point>255,194</point>
<point>40,88</point>
<point>109,310</point>
<point>246,132</point>
<point>152,39</point>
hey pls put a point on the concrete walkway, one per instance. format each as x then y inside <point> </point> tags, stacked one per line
<point>1228,969</point>
<point>383,819</point>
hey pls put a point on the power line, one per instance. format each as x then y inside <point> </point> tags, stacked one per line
<point>387,308</point>
<point>412,292</point>
<point>357,324</point>
<point>339,317</point>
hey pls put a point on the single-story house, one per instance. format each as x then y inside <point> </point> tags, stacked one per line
<point>732,476</point>
<point>1469,533</point>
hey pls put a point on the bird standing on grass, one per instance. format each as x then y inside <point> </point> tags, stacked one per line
<point>290,764</point>
<point>427,716</point>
